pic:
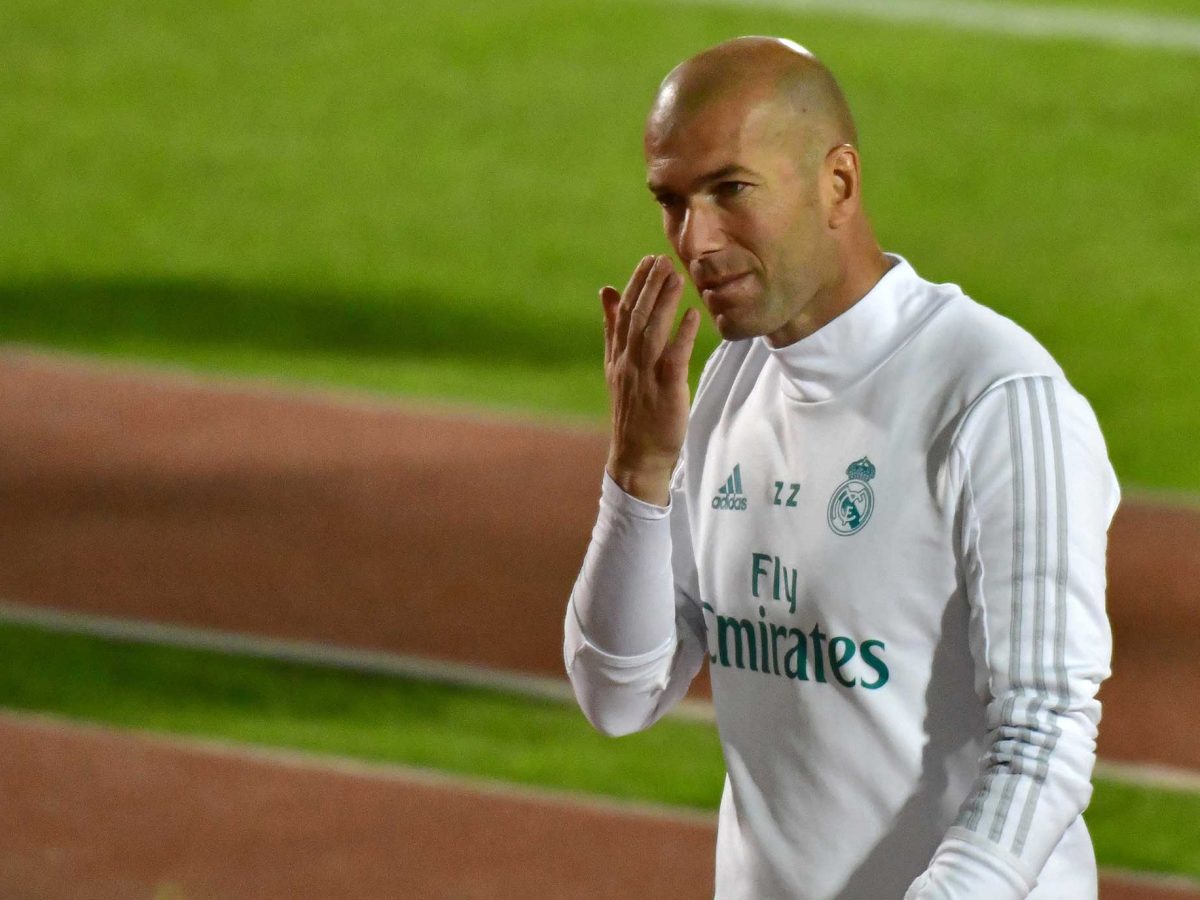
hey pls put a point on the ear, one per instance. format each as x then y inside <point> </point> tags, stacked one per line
<point>842,184</point>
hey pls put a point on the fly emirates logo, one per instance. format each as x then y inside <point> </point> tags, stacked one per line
<point>785,650</point>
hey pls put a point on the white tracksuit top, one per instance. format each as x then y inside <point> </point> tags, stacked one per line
<point>887,540</point>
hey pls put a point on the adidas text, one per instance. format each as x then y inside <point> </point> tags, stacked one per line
<point>724,501</point>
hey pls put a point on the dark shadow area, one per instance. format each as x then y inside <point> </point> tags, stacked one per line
<point>92,313</point>
<point>917,828</point>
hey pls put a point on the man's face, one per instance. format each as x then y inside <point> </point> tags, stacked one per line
<point>741,206</point>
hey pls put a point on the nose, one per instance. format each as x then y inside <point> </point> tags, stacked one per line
<point>699,232</point>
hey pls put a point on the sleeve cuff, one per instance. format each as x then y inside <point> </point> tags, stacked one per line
<point>967,865</point>
<point>614,496</point>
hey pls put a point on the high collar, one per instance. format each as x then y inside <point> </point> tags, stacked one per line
<point>848,347</point>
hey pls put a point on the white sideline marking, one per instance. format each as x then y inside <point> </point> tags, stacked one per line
<point>460,674</point>
<point>309,761</point>
<point>1153,775</point>
<point>1052,22</point>
<point>310,652</point>
<point>1184,884</point>
<point>163,375</point>
<point>316,762</point>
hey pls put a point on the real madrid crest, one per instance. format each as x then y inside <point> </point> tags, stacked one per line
<point>853,501</point>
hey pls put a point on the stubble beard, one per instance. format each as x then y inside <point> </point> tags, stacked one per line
<point>754,319</point>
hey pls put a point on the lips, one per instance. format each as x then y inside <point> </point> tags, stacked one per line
<point>715,285</point>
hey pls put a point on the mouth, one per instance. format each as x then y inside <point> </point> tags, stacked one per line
<point>716,286</point>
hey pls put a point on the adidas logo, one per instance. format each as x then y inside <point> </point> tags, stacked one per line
<point>729,495</point>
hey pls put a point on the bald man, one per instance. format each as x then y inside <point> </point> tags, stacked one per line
<point>881,522</point>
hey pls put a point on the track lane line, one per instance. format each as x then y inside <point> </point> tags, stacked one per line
<point>302,761</point>
<point>1178,34</point>
<point>459,674</point>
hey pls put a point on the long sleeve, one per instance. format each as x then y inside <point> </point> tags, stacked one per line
<point>1038,494</point>
<point>634,636</point>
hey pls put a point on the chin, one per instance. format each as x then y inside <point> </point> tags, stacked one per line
<point>740,316</point>
<point>733,329</point>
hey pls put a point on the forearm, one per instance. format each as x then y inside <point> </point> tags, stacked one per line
<point>1034,784</point>
<point>620,632</point>
<point>623,597</point>
<point>1038,494</point>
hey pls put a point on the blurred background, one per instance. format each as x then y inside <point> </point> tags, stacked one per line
<point>302,407</point>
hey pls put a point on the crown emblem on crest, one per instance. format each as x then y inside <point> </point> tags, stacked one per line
<point>861,469</point>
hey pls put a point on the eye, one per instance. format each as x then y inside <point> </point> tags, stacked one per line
<point>728,189</point>
<point>666,201</point>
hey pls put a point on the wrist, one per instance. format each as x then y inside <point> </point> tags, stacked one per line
<point>648,483</point>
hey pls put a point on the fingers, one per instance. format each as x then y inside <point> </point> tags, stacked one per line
<point>648,300</point>
<point>678,353</point>
<point>639,319</point>
<point>609,298</point>
<point>628,298</point>
<point>658,328</point>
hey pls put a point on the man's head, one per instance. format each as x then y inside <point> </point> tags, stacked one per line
<point>750,151</point>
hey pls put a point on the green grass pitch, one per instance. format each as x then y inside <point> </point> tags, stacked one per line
<point>423,198</point>
<point>401,197</point>
<point>469,731</point>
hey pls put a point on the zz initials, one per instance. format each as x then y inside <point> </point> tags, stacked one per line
<point>793,489</point>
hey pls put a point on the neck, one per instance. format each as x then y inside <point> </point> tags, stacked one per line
<point>855,278</point>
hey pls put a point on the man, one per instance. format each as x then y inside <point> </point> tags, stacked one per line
<point>882,524</point>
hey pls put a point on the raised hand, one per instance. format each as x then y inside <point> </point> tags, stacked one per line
<point>646,370</point>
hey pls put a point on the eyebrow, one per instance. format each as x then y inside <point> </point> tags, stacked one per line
<point>708,177</point>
